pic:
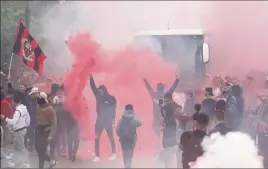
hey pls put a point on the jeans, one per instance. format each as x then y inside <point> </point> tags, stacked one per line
<point>41,143</point>
<point>128,150</point>
<point>29,137</point>
<point>99,127</point>
<point>73,141</point>
<point>62,133</point>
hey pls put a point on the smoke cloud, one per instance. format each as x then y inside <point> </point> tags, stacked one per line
<point>237,35</point>
<point>235,150</point>
<point>112,23</point>
<point>236,32</point>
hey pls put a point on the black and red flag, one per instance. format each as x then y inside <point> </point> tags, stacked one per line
<point>28,49</point>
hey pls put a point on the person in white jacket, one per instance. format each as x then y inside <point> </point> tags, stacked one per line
<point>18,125</point>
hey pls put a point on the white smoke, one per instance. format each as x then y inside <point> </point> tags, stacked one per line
<point>235,150</point>
<point>112,23</point>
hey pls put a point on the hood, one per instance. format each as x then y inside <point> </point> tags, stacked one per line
<point>22,109</point>
<point>104,89</point>
<point>128,115</point>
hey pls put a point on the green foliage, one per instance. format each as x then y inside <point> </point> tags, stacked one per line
<point>11,12</point>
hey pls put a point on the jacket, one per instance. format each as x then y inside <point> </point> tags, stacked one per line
<point>46,116</point>
<point>30,103</point>
<point>208,106</point>
<point>129,116</point>
<point>169,112</point>
<point>237,92</point>
<point>24,98</point>
<point>105,104</point>
<point>156,95</point>
<point>221,128</point>
<point>231,106</point>
<point>17,122</point>
<point>6,108</point>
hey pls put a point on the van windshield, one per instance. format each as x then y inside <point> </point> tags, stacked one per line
<point>182,50</point>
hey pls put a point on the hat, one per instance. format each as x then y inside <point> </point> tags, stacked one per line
<point>43,95</point>
<point>209,90</point>
<point>34,90</point>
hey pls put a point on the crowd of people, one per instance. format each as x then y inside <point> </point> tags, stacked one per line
<point>34,120</point>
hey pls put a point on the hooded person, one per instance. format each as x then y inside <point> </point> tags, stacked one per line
<point>158,96</point>
<point>106,109</point>
<point>126,131</point>
<point>18,124</point>
<point>46,124</point>
<point>220,125</point>
<point>170,110</point>
<point>208,104</point>
<point>73,134</point>
<point>231,108</point>
<point>237,92</point>
<point>61,136</point>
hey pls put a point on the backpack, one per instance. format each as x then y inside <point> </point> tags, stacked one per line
<point>127,131</point>
<point>194,147</point>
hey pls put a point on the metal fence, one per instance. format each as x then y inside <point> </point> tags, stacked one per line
<point>2,136</point>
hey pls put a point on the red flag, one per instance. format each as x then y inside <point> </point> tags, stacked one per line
<point>27,48</point>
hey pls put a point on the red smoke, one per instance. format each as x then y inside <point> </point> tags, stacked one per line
<point>238,37</point>
<point>124,71</point>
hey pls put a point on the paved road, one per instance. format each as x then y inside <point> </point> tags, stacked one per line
<point>82,162</point>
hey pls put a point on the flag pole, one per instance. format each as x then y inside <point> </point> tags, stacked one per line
<point>10,64</point>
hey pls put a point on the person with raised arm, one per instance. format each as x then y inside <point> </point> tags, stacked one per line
<point>157,96</point>
<point>106,110</point>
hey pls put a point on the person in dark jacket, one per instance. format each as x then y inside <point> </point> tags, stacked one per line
<point>22,88</point>
<point>61,136</point>
<point>208,104</point>
<point>197,108</point>
<point>106,109</point>
<point>170,111</point>
<point>126,131</point>
<point>73,133</point>
<point>240,103</point>
<point>54,88</point>
<point>220,119</point>
<point>231,108</point>
<point>190,141</point>
<point>32,93</point>
<point>156,96</point>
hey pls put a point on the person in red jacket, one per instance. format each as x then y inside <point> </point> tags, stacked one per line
<point>8,111</point>
<point>6,105</point>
